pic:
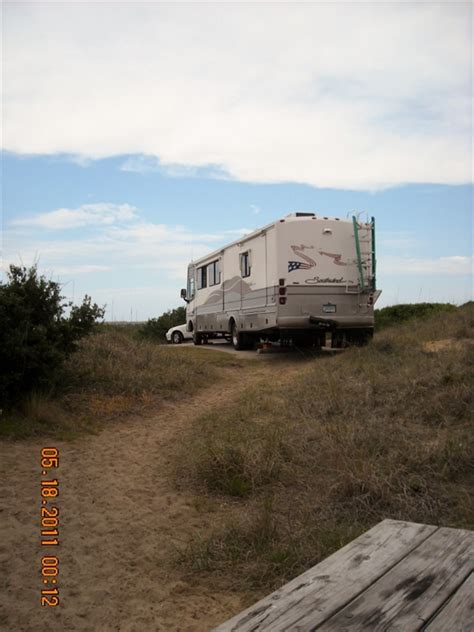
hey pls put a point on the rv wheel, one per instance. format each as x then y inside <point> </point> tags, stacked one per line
<point>197,338</point>
<point>238,338</point>
<point>338,340</point>
<point>363,337</point>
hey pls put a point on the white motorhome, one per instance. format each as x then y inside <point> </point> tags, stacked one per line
<point>293,280</point>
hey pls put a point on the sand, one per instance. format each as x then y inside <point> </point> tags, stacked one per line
<point>433,346</point>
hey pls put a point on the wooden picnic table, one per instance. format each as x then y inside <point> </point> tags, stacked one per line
<point>398,576</point>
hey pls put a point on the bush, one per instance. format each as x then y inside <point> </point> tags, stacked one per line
<point>35,335</point>
<point>156,328</point>
<point>396,314</point>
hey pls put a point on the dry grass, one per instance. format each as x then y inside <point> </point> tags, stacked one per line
<point>115,363</point>
<point>112,374</point>
<point>376,432</point>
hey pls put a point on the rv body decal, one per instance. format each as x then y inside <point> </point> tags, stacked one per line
<point>307,262</point>
<point>232,288</point>
<point>337,259</point>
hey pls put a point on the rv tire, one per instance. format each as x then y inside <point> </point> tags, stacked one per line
<point>197,338</point>
<point>362,338</point>
<point>239,339</point>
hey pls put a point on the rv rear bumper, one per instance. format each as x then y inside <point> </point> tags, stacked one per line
<point>321,322</point>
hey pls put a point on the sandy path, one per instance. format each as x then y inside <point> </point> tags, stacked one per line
<point>121,520</point>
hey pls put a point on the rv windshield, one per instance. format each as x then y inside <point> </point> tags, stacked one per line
<point>190,288</point>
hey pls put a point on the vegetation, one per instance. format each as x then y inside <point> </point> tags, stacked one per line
<point>156,328</point>
<point>112,374</point>
<point>375,432</point>
<point>397,314</point>
<point>35,334</point>
<point>296,466</point>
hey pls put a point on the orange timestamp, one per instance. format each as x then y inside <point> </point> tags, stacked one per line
<point>49,527</point>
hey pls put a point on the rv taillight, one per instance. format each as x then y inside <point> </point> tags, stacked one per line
<point>282,300</point>
<point>282,291</point>
<point>281,282</point>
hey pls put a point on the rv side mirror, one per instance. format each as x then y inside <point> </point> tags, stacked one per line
<point>183,294</point>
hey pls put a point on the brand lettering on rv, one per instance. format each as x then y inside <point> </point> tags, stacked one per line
<point>317,279</point>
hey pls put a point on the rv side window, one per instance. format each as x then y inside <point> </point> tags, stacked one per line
<point>202,277</point>
<point>214,273</point>
<point>245,264</point>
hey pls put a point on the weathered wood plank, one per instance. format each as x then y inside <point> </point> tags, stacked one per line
<point>311,598</point>
<point>458,613</point>
<point>412,591</point>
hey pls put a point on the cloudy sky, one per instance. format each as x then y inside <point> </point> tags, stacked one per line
<point>137,136</point>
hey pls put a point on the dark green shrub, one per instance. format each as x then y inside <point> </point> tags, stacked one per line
<point>35,334</point>
<point>156,328</point>
<point>396,314</point>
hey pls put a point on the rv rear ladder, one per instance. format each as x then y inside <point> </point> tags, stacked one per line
<point>370,258</point>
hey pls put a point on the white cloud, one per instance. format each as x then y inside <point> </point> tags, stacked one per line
<point>361,95</point>
<point>84,215</point>
<point>146,164</point>
<point>80,269</point>
<point>238,232</point>
<point>417,266</point>
<point>120,242</point>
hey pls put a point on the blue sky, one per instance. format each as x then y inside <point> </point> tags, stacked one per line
<point>126,155</point>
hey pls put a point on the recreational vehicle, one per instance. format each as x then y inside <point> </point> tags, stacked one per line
<point>294,280</point>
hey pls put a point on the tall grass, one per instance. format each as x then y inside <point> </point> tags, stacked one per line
<point>113,373</point>
<point>376,432</point>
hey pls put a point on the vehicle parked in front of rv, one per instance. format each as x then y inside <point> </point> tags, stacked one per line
<point>177,335</point>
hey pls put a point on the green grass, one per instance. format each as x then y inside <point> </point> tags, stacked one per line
<point>112,374</point>
<point>375,432</point>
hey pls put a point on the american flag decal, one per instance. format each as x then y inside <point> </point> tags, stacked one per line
<point>298,265</point>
